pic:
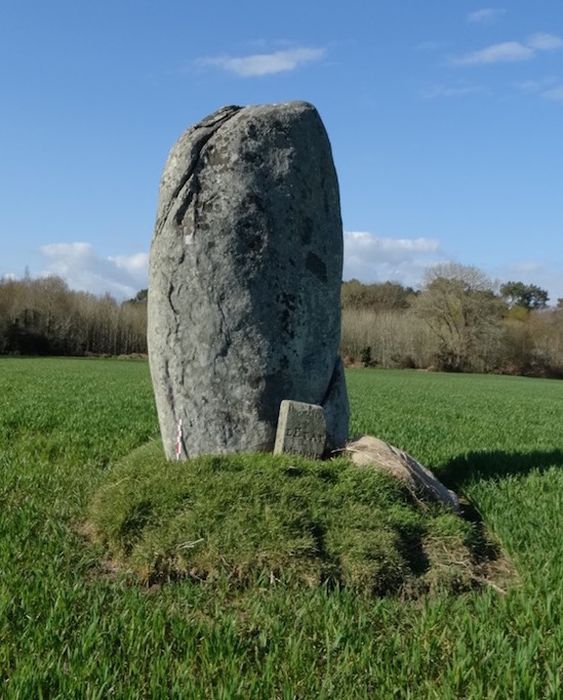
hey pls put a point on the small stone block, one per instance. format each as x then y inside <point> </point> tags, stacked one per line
<point>301,429</point>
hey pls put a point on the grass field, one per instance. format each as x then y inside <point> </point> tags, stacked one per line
<point>67,629</point>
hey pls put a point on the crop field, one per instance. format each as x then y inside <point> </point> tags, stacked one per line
<point>71,626</point>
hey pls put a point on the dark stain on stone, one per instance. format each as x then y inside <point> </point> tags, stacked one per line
<point>255,243</point>
<point>315,265</point>
<point>307,231</point>
<point>273,384</point>
<point>255,381</point>
<point>288,304</point>
<point>253,224</point>
<point>253,201</point>
<point>285,323</point>
<point>253,157</point>
<point>287,300</point>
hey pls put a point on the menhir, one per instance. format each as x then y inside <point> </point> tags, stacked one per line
<point>245,275</point>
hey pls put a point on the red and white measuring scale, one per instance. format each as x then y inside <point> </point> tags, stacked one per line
<point>179,440</point>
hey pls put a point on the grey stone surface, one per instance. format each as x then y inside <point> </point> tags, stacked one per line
<point>372,452</point>
<point>244,282</point>
<point>301,429</point>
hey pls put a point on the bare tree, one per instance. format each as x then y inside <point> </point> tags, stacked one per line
<point>43,316</point>
<point>461,309</point>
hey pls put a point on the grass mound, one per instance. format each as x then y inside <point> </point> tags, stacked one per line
<point>254,520</point>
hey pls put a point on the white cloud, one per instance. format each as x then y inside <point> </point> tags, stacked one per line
<point>134,265</point>
<point>507,52</point>
<point>372,258</point>
<point>485,16</point>
<point>265,63</point>
<point>511,51</point>
<point>550,87</point>
<point>555,94</point>
<point>544,42</point>
<point>85,270</point>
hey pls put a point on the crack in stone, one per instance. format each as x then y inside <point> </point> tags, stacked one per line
<point>332,383</point>
<point>169,385</point>
<point>226,331</point>
<point>170,293</point>
<point>210,129</point>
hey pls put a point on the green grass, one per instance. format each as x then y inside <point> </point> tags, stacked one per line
<point>69,630</point>
<point>246,521</point>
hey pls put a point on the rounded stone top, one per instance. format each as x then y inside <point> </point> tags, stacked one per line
<point>293,106</point>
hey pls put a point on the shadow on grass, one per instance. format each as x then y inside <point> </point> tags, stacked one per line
<point>492,465</point>
<point>496,464</point>
<point>411,546</point>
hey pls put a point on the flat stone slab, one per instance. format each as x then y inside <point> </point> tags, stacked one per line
<point>301,429</point>
<point>370,451</point>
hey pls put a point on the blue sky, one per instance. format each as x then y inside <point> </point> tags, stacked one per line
<point>446,122</point>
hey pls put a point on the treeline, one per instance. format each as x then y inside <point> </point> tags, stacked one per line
<point>460,321</point>
<point>44,317</point>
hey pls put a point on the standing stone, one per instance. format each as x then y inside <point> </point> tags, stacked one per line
<point>244,282</point>
<point>301,429</point>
